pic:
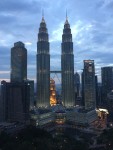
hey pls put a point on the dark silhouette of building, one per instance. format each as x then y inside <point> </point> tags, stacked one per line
<point>67,67</point>
<point>96,90</point>
<point>82,80</point>
<point>15,98</point>
<point>32,99</point>
<point>43,67</point>
<point>77,85</point>
<point>16,95</point>
<point>99,103</point>
<point>107,82</point>
<point>89,84</point>
<point>110,106</point>
<point>18,62</point>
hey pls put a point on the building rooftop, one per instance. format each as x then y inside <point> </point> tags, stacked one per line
<point>40,111</point>
<point>58,108</point>
<point>19,44</point>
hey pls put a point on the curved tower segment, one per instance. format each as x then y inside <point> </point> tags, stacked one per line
<point>67,67</point>
<point>43,67</point>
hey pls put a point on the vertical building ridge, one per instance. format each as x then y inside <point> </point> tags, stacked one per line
<point>67,66</point>
<point>89,84</point>
<point>43,66</point>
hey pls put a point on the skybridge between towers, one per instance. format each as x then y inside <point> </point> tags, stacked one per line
<point>55,73</point>
<point>66,74</point>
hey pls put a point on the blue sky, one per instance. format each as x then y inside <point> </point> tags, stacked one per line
<point>91,22</point>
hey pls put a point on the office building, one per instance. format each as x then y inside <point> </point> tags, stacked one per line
<point>77,84</point>
<point>81,117</point>
<point>15,101</point>
<point>52,92</point>
<point>82,81</point>
<point>89,84</point>
<point>43,118</point>
<point>43,67</point>
<point>67,67</point>
<point>97,91</point>
<point>18,62</point>
<point>32,99</point>
<point>78,100</point>
<point>107,82</point>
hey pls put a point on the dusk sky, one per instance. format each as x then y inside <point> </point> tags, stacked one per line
<point>91,24</point>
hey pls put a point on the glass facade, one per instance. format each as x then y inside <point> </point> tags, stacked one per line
<point>43,67</point>
<point>67,67</point>
<point>89,84</point>
<point>18,62</point>
<point>107,81</point>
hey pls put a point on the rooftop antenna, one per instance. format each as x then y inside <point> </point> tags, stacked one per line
<point>66,15</point>
<point>42,13</point>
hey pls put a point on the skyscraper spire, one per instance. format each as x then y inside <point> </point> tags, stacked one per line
<point>43,15</point>
<point>66,22</point>
<point>43,67</point>
<point>67,66</point>
<point>66,15</point>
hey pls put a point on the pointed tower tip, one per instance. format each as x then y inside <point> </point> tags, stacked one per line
<point>66,15</point>
<point>66,22</point>
<point>42,13</point>
<point>43,16</point>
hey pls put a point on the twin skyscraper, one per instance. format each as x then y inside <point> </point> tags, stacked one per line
<point>43,67</point>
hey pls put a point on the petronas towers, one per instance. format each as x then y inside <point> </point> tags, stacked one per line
<point>67,66</point>
<point>43,67</point>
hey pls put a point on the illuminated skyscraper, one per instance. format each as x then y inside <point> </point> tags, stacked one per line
<point>67,66</point>
<point>52,92</point>
<point>43,67</point>
<point>18,62</point>
<point>89,84</point>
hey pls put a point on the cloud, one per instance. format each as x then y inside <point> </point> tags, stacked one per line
<point>4,72</point>
<point>91,26</point>
<point>19,6</point>
<point>5,79</point>
<point>57,34</point>
<point>28,43</point>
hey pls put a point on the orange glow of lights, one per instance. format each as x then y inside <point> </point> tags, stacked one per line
<point>52,92</point>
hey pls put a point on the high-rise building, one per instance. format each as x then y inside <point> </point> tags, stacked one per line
<point>82,80</point>
<point>32,99</point>
<point>43,67</point>
<point>18,62</point>
<point>78,100</point>
<point>15,101</point>
<point>77,84</point>
<point>99,103</point>
<point>67,67</point>
<point>96,91</point>
<point>107,81</point>
<point>89,84</point>
<point>52,92</point>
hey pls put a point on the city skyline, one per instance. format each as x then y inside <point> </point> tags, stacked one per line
<point>91,29</point>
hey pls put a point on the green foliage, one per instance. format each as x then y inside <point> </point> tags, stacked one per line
<point>32,138</point>
<point>106,138</point>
